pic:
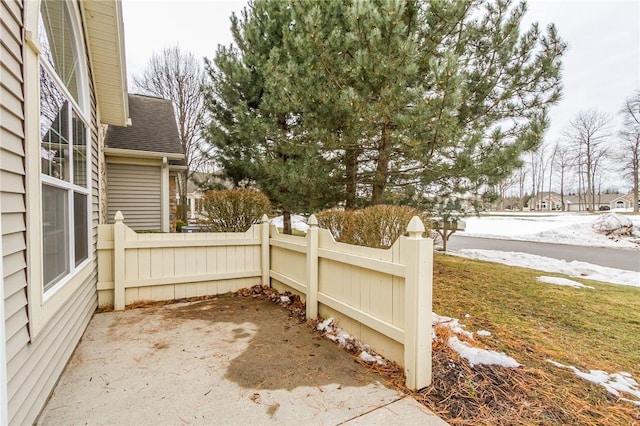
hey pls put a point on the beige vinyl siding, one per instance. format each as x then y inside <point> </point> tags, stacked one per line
<point>33,367</point>
<point>135,190</point>
<point>12,180</point>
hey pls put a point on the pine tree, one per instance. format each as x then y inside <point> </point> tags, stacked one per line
<point>401,98</point>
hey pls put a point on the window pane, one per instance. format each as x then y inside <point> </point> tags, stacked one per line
<point>55,39</point>
<point>81,236</point>
<point>79,142</point>
<point>55,235</point>
<point>54,128</point>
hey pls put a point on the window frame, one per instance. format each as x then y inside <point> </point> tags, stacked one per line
<point>81,108</point>
<point>42,309</point>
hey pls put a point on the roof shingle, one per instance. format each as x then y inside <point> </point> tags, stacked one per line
<point>153,127</point>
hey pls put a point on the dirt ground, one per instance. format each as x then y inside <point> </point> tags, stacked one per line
<point>282,353</point>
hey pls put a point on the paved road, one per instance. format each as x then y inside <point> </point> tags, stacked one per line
<point>613,258</point>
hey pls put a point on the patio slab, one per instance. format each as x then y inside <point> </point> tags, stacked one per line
<point>230,360</point>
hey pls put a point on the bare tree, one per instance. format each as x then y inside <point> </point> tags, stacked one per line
<point>629,149</point>
<point>563,162</point>
<point>522,176</point>
<point>588,132</point>
<point>179,76</point>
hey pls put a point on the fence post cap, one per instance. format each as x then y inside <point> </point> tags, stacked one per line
<point>264,218</point>
<point>415,227</point>
<point>312,221</point>
<point>119,217</point>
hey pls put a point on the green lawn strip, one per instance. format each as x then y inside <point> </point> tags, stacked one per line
<point>533,321</point>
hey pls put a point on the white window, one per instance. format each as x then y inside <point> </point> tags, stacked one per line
<point>64,147</point>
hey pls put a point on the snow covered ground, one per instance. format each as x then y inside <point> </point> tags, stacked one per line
<point>547,264</point>
<point>574,229</point>
<point>561,228</point>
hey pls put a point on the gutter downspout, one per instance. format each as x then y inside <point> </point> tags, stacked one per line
<point>4,403</point>
<point>164,195</point>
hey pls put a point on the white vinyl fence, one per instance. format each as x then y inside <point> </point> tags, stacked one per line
<point>382,297</point>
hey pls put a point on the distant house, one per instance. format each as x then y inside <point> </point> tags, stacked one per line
<point>622,202</point>
<point>574,203</point>
<point>195,193</point>
<point>546,201</point>
<point>142,161</point>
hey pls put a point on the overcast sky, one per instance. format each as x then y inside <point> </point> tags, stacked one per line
<point>601,68</point>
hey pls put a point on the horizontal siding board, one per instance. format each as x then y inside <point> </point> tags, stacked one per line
<point>17,321</point>
<point>15,344</point>
<point>14,8</point>
<point>14,282</point>
<point>11,102</point>
<point>13,243</point>
<point>11,64</point>
<point>11,142</point>
<point>12,222</point>
<point>134,190</point>
<point>12,163</point>
<point>11,182</point>
<point>12,123</point>
<point>13,203</point>
<point>13,304</point>
<point>13,263</point>
<point>31,383</point>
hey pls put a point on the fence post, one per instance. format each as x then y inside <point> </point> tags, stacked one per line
<point>312,268</point>
<point>264,254</point>
<point>418,252</point>
<point>118,262</point>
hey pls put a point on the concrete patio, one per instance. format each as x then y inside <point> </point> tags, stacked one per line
<point>229,360</point>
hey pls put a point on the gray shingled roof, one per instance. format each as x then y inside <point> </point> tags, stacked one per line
<point>153,127</point>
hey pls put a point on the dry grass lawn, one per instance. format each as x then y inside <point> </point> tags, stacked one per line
<point>533,322</point>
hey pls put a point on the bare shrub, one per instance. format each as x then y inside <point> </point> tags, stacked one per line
<point>336,221</point>
<point>234,210</point>
<point>376,226</point>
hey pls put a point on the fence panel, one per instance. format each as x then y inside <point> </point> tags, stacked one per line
<point>287,262</point>
<point>381,297</point>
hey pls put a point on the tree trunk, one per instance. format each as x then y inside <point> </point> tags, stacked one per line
<point>286,222</point>
<point>351,175</point>
<point>562,189</point>
<point>636,185</point>
<point>382,167</point>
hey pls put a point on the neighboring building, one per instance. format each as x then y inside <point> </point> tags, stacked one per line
<point>622,202</point>
<point>63,76</point>
<point>574,203</point>
<point>195,193</point>
<point>142,160</point>
<point>546,201</point>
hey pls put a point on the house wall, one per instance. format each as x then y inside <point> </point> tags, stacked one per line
<point>36,355</point>
<point>136,191</point>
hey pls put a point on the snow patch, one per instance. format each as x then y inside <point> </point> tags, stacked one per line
<point>563,282</point>
<point>367,357</point>
<point>285,299</point>
<point>477,356</point>
<point>613,224</point>
<point>346,341</point>
<point>474,355</point>
<point>614,383</point>
<point>297,222</point>
<point>452,323</point>
<point>547,264</point>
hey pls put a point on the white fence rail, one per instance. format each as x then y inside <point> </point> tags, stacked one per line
<point>382,297</point>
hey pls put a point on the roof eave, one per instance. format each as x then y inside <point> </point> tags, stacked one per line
<point>105,39</point>
<point>120,152</point>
